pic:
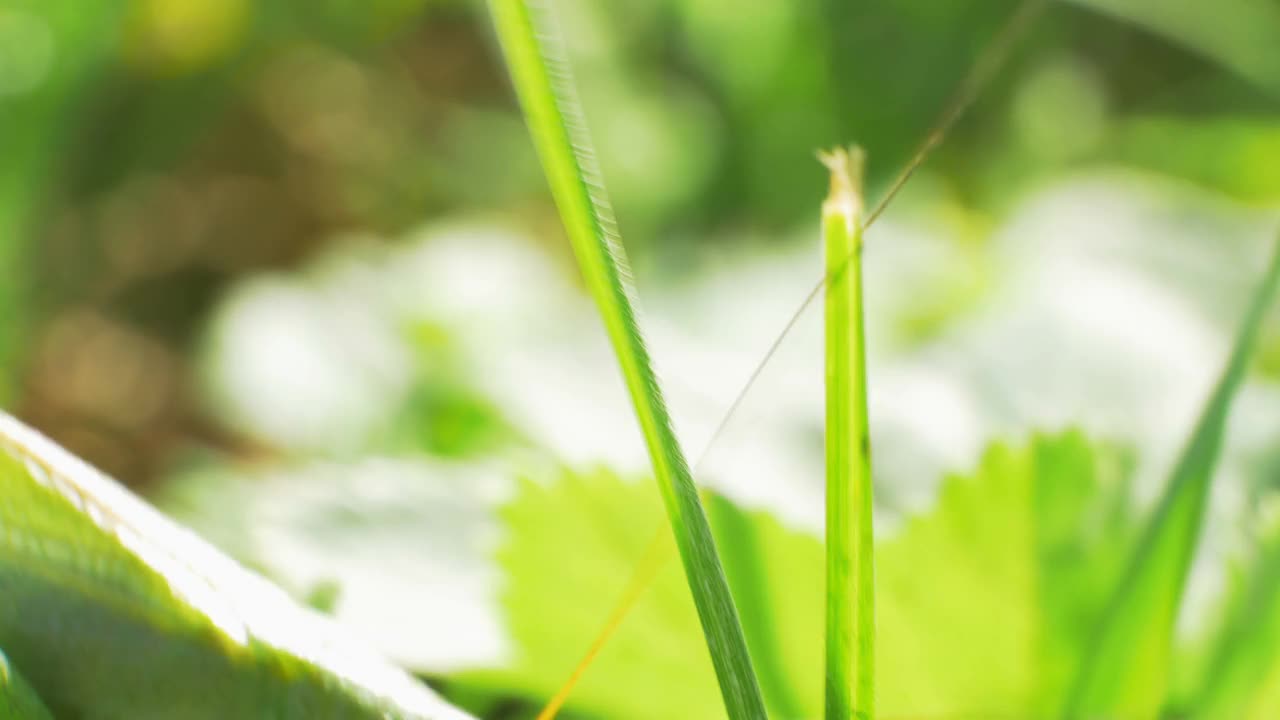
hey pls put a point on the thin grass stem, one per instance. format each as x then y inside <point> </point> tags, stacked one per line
<point>850,628</point>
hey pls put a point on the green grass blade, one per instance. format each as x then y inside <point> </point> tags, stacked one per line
<point>1245,650</point>
<point>540,74</point>
<point>850,676</point>
<point>1125,676</point>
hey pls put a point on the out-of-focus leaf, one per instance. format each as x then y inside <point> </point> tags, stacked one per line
<point>742,536</point>
<point>1242,678</point>
<point>1126,674</point>
<point>17,700</point>
<point>49,50</point>
<point>570,547</point>
<point>987,601</point>
<point>1235,154</point>
<point>984,603</point>
<point>1238,34</point>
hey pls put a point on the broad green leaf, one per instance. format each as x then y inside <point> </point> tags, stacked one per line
<point>17,700</point>
<point>570,547</point>
<point>743,536</point>
<point>113,611</point>
<point>984,602</point>
<point>543,81</point>
<point>987,600</point>
<point>1126,672</point>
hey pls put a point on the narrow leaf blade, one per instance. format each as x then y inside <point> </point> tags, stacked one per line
<point>1245,651</point>
<point>1126,673</point>
<point>542,81</point>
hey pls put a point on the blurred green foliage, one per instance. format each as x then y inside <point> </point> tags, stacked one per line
<point>157,149</point>
<point>158,155</point>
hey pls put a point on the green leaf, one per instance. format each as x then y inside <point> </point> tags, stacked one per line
<point>579,537</point>
<point>1126,672</point>
<point>17,700</point>
<point>984,603</point>
<point>1238,34</point>
<point>543,82</point>
<point>742,537</point>
<point>113,611</point>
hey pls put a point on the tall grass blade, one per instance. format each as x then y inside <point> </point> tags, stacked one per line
<point>1125,675</point>
<point>1245,652</point>
<point>541,76</point>
<point>850,675</point>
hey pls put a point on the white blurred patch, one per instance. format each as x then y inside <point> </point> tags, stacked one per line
<point>305,368</point>
<point>405,544</point>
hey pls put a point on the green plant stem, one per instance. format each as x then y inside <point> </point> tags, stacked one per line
<point>850,646</point>
<point>541,78</point>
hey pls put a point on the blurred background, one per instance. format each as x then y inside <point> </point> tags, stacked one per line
<point>291,268</point>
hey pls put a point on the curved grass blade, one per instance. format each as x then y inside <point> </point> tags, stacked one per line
<point>850,647</point>
<point>1246,648</point>
<point>1125,675</point>
<point>542,81</point>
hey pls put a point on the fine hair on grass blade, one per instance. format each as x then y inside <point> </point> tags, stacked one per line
<point>1124,675</point>
<point>540,73</point>
<point>850,627</point>
<point>993,57</point>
